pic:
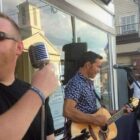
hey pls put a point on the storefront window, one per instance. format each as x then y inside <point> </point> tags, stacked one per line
<point>97,41</point>
<point>57,28</point>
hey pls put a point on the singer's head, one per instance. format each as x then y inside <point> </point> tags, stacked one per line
<point>90,64</point>
<point>11,45</point>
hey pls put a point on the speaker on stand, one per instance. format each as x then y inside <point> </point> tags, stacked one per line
<point>73,52</point>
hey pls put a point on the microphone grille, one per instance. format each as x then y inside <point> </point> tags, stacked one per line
<point>38,55</point>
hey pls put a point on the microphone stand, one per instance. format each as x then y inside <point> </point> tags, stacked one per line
<point>43,121</point>
<point>43,115</point>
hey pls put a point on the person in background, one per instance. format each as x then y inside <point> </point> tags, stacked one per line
<point>20,102</point>
<point>136,87</point>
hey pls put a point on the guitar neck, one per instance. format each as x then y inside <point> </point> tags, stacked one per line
<point>116,116</point>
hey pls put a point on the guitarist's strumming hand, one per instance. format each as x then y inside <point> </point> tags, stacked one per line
<point>99,119</point>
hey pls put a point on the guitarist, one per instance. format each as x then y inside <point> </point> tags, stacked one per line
<point>80,102</point>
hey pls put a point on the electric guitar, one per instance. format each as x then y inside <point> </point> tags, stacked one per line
<point>107,132</point>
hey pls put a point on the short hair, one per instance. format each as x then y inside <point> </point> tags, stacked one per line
<point>89,56</point>
<point>4,16</point>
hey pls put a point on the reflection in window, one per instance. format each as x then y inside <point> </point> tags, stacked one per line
<point>57,26</point>
<point>35,16</point>
<point>23,14</point>
<point>98,42</point>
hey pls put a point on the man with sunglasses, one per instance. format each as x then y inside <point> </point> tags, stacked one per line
<point>20,102</point>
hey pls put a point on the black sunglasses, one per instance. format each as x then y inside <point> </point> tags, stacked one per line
<point>4,36</point>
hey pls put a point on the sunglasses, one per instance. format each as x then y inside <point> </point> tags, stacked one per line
<point>4,36</point>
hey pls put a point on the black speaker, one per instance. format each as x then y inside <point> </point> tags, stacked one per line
<point>106,1</point>
<point>73,53</point>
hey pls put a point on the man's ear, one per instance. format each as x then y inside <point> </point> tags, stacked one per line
<point>88,64</point>
<point>20,48</point>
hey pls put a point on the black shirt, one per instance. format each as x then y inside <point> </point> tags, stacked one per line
<point>9,96</point>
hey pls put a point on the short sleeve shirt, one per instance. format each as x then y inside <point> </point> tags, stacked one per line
<point>81,90</point>
<point>9,95</point>
<point>136,89</point>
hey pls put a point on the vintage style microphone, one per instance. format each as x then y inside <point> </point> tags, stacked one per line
<point>39,57</point>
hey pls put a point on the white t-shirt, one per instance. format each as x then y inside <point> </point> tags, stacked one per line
<point>136,92</point>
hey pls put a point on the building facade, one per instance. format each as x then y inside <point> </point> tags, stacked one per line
<point>127,43</point>
<point>127,30</point>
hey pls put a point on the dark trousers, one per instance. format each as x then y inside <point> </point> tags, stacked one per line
<point>127,127</point>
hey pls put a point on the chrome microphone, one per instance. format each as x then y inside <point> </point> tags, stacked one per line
<point>38,54</point>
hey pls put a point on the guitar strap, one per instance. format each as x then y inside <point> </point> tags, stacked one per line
<point>92,132</point>
<point>97,96</point>
<point>99,99</point>
<point>67,129</point>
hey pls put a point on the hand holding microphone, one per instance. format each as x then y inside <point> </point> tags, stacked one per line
<point>44,79</point>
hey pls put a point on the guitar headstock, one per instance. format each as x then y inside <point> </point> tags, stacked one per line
<point>134,102</point>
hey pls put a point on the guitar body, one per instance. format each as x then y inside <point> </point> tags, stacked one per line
<point>111,130</point>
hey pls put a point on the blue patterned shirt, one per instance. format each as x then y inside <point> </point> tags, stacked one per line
<point>80,89</point>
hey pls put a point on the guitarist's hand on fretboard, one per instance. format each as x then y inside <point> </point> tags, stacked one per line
<point>132,106</point>
<point>127,109</point>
